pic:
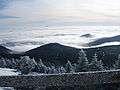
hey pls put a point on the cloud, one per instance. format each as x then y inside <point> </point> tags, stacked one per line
<point>61,11</point>
<point>7,17</point>
<point>4,3</point>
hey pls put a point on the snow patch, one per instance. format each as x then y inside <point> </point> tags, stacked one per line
<point>8,72</point>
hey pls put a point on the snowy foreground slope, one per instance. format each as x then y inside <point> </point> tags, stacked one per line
<point>8,72</point>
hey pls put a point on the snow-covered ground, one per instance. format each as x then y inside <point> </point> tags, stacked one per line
<point>6,88</point>
<point>8,72</point>
<point>24,39</point>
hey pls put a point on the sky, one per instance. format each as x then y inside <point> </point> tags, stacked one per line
<point>35,18</point>
<point>18,13</point>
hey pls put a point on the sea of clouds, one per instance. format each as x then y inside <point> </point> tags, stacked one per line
<point>23,40</point>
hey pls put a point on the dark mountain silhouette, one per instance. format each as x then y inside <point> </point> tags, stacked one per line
<point>108,54</point>
<point>87,35</point>
<point>4,50</point>
<point>105,40</point>
<point>58,54</point>
<point>54,53</point>
<point>7,53</point>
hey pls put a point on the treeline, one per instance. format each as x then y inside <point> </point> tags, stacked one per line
<point>27,65</point>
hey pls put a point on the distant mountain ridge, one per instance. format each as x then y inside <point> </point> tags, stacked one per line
<point>87,35</point>
<point>55,53</point>
<point>60,54</point>
<point>105,40</point>
<point>4,50</point>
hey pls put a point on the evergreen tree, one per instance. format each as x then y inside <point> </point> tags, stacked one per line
<point>54,70</point>
<point>26,64</point>
<point>32,63</point>
<point>9,63</point>
<point>117,63</point>
<point>14,63</point>
<point>75,66</point>
<point>41,68</point>
<point>82,62</point>
<point>96,65</point>
<point>17,64</point>
<point>69,68</point>
<point>3,63</point>
<point>61,69</point>
<point>48,70</point>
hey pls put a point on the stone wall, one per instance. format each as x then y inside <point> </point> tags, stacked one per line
<point>62,80</point>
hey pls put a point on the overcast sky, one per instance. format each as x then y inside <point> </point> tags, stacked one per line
<point>56,12</point>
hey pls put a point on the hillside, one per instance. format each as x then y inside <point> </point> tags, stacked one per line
<point>108,54</point>
<point>54,53</point>
<point>4,50</point>
<point>60,54</point>
<point>105,40</point>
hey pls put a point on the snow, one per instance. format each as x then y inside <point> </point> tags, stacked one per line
<point>108,44</point>
<point>6,88</point>
<point>8,72</point>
